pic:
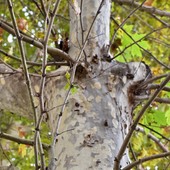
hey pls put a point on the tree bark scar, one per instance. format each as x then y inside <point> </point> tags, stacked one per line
<point>134,90</point>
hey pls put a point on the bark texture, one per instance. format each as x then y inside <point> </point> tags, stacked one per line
<point>96,118</point>
<point>14,95</point>
<point>80,25</point>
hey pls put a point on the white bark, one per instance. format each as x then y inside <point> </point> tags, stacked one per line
<point>99,35</point>
<point>13,92</point>
<point>97,117</point>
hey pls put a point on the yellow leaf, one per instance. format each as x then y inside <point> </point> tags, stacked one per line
<point>22,150</point>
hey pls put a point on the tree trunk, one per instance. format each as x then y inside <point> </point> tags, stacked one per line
<point>91,125</point>
<point>97,117</point>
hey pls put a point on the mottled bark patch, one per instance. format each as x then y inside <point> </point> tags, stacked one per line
<point>2,80</point>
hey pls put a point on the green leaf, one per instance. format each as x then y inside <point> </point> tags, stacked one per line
<point>67,86</point>
<point>74,89</point>
<point>167,116</point>
<point>160,118</point>
<point>135,51</point>
<point>67,75</point>
<point>127,40</point>
<point>128,28</point>
<point>144,44</point>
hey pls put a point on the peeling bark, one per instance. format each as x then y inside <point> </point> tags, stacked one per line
<point>98,120</point>
<point>97,117</point>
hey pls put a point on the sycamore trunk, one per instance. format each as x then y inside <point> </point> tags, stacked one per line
<point>90,118</point>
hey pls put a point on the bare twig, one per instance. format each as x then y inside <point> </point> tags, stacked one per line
<point>33,63</point>
<point>155,86</point>
<point>5,154</point>
<point>124,21</point>
<point>162,155</point>
<point>54,52</point>
<point>160,20</point>
<point>20,140</point>
<point>159,100</point>
<point>133,154</point>
<point>43,78</point>
<point>26,73</point>
<point>148,9</point>
<point>152,130</point>
<point>140,114</point>
<point>154,138</point>
<point>153,79</point>
<point>136,42</point>
<point>81,22</point>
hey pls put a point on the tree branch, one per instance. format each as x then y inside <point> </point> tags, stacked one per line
<point>140,114</point>
<point>136,42</point>
<point>43,77</point>
<point>57,54</point>
<point>20,140</point>
<point>27,77</point>
<point>162,155</point>
<point>148,9</point>
<point>159,100</point>
<point>31,62</point>
<point>154,131</point>
<point>155,86</point>
<point>124,21</point>
<point>154,138</point>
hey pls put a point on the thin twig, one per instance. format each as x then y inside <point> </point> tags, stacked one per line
<point>162,155</point>
<point>133,154</point>
<point>43,78</point>
<point>148,9</point>
<point>124,21</point>
<point>154,131</point>
<point>33,63</point>
<point>154,138</point>
<point>26,73</point>
<point>5,154</point>
<point>155,86</point>
<point>136,42</point>
<point>21,140</point>
<point>54,52</point>
<point>157,99</point>
<point>153,79</point>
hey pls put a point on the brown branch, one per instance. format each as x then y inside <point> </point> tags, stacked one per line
<point>145,159</point>
<point>159,100</point>
<point>133,153</point>
<point>154,131</point>
<point>26,74</point>
<point>155,86</point>
<point>20,140</point>
<point>31,62</point>
<point>6,156</point>
<point>148,9</point>
<point>54,52</point>
<point>43,77</point>
<point>153,79</point>
<point>133,127</point>
<point>160,20</point>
